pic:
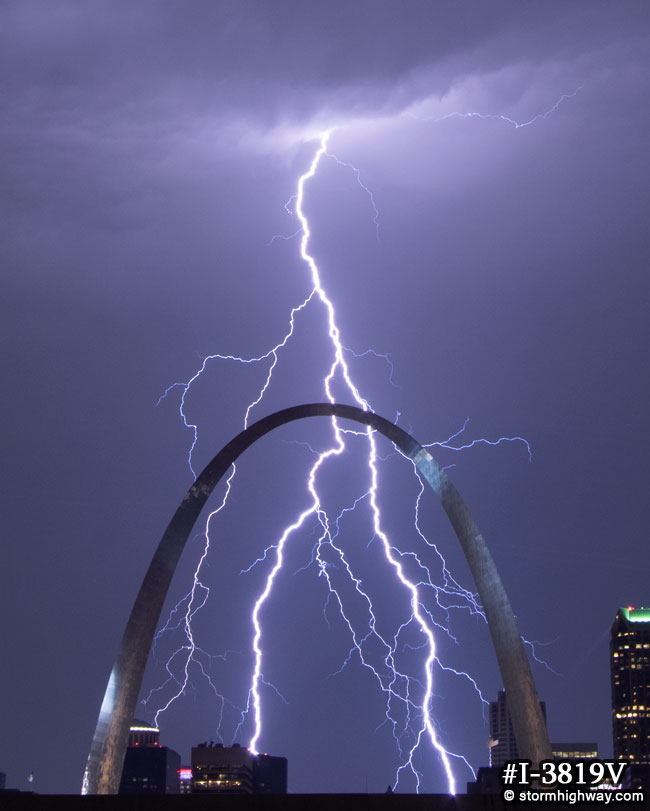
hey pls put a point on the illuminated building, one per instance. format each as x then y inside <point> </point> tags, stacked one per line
<point>574,751</point>
<point>630,668</point>
<point>219,769</point>
<point>185,779</point>
<point>149,768</point>
<point>143,734</point>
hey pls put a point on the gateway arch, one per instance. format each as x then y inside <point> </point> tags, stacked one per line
<point>108,749</point>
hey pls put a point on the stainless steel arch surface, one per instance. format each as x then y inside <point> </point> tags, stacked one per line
<point>108,749</point>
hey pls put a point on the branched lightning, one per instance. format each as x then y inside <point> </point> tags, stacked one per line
<point>498,117</point>
<point>357,174</point>
<point>385,356</point>
<point>198,596</point>
<point>480,441</point>
<point>271,355</point>
<point>408,698</point>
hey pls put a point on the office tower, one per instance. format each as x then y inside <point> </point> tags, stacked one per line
<point>630,669</point>
<point>574,751</point>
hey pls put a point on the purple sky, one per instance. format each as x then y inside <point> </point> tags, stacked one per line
<point>148,152</point>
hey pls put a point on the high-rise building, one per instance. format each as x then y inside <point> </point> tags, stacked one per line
<point>503,745</point>
<point>149,768</point>
<point>630,668</point>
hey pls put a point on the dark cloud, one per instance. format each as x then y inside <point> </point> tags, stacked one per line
<point>286,60</point>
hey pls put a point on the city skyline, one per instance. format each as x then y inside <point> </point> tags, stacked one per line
<point>497,272</point>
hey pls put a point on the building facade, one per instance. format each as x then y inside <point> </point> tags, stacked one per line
<point>574,751</point>
<point>630,671</point>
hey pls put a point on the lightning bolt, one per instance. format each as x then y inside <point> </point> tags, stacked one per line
<point>408,699</point>
<point>339,368</point>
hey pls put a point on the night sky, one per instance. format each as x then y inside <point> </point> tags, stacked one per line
<point>148,151</point>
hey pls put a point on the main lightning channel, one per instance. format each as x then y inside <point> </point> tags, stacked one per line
<point>339,366</point>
